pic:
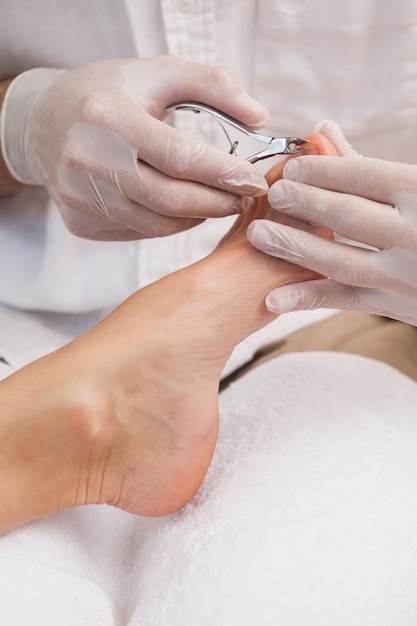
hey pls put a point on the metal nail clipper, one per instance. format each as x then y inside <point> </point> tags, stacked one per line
<point>275,145</point>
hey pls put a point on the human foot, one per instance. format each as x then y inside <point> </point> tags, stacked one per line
<point>260,208</point>
<point>127,413</point>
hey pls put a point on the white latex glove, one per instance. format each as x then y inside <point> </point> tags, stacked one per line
<point>94,137</point>
<point>369,201</point>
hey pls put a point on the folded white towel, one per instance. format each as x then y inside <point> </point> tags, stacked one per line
<point>307,517</point>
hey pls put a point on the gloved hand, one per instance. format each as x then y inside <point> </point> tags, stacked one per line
<point>372,203</point>
<point>94,137</point>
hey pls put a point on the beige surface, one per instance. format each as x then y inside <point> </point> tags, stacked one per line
<point>380,338</point>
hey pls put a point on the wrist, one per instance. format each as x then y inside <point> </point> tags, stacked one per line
<point>16,122</point>
<point>8,184</point>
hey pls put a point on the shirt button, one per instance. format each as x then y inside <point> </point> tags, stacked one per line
<point>185,5</point>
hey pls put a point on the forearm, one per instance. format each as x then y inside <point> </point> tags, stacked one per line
<point>8,185</point>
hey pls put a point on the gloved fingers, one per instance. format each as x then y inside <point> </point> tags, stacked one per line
<point>108,202</point>
<point>375,179</point>
<point>313,294</point>
<point>344,263</point>
<point>164,195</point>
<point>164,148</point>
<point>106,155</point>
<point>354,217</point>
<point>329,294</point>
<point>99,162</point>
<point>176,198</point>
<point>82,203</point>
<point>216,86</point>
<point>188,158</point>
<point>334,133</point>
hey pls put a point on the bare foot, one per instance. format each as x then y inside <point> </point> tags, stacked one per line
<point>127,414</point>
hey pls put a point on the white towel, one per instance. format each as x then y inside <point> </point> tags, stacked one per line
<point>307,517</point>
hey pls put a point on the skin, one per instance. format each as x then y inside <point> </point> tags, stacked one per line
<point>127,414</point>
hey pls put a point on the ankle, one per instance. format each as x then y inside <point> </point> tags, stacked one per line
<point>52,446</point>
